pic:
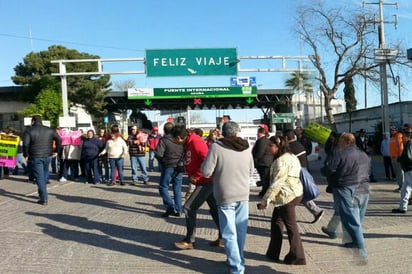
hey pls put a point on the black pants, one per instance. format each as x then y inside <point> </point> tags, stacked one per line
<point>202,193</point>
<point>264,174</point>
<point>389,171</point>
<point>286,216</point>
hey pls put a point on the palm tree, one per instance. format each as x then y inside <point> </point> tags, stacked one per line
<point>299,81</point>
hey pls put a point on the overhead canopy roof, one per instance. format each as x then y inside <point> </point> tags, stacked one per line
<point>266,98</point>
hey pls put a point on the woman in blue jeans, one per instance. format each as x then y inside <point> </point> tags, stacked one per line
<point>116,149</point>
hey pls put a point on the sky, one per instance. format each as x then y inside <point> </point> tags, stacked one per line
<point>125,29</point>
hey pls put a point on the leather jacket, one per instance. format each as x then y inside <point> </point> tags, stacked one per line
<point>38,141</point>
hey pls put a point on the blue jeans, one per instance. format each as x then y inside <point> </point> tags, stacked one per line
<point>116,163</point>
<point>19,161</point>
<point>91,168</point>
<point>165,180</point>
<point>233,220</point>
<point>53,164</point>
<point>104,165</point>
<point>141,161</point>
<point>406,190</point>
<point>349,213</point>
<point>39,167</point>
<point>151,160</point>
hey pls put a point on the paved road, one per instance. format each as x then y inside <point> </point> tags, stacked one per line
<point>101,229</point>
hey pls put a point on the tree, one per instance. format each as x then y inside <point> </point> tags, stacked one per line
<point>349,94</point>
<point>350,99</point>
<point>339,41</point>
<point>48,104</point>
<point>124,85</point>
<point>35,74</point>
<point>299,81</point>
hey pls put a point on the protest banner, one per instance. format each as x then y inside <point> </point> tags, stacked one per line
<point>8,149</point>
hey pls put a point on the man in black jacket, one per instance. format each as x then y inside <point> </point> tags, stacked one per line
<point>38,148</point>
<point>262,158</point>
<point>169,153</point>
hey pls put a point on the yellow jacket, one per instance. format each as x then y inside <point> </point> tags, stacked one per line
<point>285,184</point>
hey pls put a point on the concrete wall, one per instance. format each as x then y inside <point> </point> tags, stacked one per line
<point>399,113</point>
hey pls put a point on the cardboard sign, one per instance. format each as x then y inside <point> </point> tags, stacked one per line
<point>8,149</point>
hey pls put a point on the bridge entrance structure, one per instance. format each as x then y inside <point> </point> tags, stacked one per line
<point>268,100</point>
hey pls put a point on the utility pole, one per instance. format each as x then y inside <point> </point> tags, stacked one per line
<point>382,66</point>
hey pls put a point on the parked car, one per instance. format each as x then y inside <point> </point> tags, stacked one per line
<point>315,155</point>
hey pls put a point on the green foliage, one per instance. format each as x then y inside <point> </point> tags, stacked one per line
<point>36,69</point>
<point>299,81</point>
<point>48,104</point>
<point>349,94</point>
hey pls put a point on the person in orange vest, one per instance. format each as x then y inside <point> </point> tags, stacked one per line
<point>395,151</point>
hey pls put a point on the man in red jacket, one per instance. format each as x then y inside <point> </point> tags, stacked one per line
<point>195,152</point>
<point>152,142</point>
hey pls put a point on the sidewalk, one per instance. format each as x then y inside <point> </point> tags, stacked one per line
<point>101,229</point>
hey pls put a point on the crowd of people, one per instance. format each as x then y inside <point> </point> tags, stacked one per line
<point>218,170</point>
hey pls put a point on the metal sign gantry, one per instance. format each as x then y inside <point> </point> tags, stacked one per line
<point>284,67</point>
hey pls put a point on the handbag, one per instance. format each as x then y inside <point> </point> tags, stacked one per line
<point>310,190</point>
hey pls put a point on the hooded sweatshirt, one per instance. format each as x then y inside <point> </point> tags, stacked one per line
<point>230,163</point>
<point>195,153</point>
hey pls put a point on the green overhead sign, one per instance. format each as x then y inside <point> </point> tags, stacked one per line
<point>196,92</point>
<point>283,118</point>
<point>191,62</point>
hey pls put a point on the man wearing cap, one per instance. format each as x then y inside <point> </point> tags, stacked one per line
<point>262,158</point>
<point>152,142</point>
<point>395,151</point>
<point>362,141</point>
<point>405,161</point>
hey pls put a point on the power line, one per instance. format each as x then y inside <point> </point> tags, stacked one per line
<point>66,42</point>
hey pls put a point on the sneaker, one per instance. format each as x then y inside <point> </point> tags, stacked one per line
<point>134,183</point>
<point>40,202</point>
<point>218,242</point>
<point>62,180</point>
<point>167,213</point>
<point>350,245</point>
<point>111,184</point>
<point>397,210</point>
<point>122,183</point>
<point>331,235</point>
<point>184,245</point>
<point>176,214</point>
<point>318,217</point>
